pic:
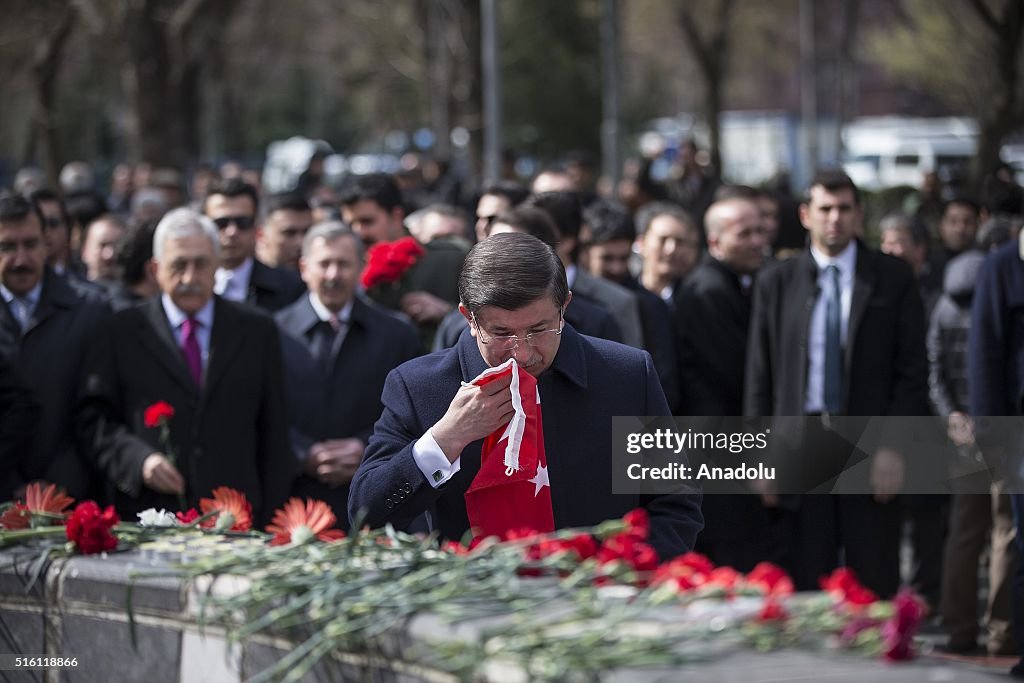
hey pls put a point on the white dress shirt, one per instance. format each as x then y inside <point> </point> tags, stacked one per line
<point>233,284</point>
<point>846,262</point>
<point>177,318</point>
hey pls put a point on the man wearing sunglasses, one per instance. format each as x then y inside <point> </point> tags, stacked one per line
<point>425,450</point>
<point>232,206</point>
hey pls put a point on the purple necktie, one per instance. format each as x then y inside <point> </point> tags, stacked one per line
<point>190,347</point>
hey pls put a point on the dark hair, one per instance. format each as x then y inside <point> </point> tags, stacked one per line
<point>565,210</point>
<point>832,180</point>
<point>914,226</point>
<point>374,187</point>
<point>45,194</point>
<point>609,223</point>
<point>285,201</point>
<point>16,208</point>
<point>532,221</point>
<point>514,192</point>
<point>231,188</point>
<point>511,270</point>
<point>737,192</point>
<point>647,213</point>
<point>963,201</point>
<point>581,158</point>
<point>85,207</point>
<point>134,251</point>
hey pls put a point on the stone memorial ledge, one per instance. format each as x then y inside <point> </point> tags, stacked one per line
<point>78,608</point>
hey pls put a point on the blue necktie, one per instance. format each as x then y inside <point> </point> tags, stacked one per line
<point>21,308</point>
<point>833,343</point>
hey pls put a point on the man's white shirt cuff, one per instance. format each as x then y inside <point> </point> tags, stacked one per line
<point>432,461</point>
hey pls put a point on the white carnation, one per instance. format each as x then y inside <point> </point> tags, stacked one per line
<point>154,517</point>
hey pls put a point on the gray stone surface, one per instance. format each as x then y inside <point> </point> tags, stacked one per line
<point>105,653</point>
<point>103,581</point>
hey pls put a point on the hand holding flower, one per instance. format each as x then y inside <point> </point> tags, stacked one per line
<point>160,474</point>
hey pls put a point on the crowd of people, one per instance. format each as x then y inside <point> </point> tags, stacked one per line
<point>253,316</point>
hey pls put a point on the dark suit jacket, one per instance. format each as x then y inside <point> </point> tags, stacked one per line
<point>996,340</point>
<point>656,322</point>
<point>232,432</point>
<point>343,400</point>
<point>617,300</point>
<point>48,357</point>
<point>273,288</point>
<point>588,318</point>
<point>885,365</point>
<point>19,420</point>
<point>712,319</point>
<point>590,381</point>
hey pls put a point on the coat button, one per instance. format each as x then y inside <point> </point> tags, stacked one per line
<point>408,488</point>
<point>389,504</point>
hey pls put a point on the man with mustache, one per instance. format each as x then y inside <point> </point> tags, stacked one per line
<point>217,363</point>
<point>44,324</point>
<point>337,350</point>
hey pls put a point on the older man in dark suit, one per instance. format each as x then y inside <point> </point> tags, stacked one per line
<point>425,450</point>
<point>839,330</point>
<point>337,350</point>
<point>44,324</point>
<point>217,363</point>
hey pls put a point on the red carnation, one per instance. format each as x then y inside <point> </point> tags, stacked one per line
<point>188,516</point>
<point>771,579</point>
<point>843,583</point>
<point>626,548</point>
<point>89,528</point>
<point>387,261</point>
<point>725,578</point>
<point>157,414</point>
<point>638,523</point>
<point>898,632</point>
<point>772,611</point>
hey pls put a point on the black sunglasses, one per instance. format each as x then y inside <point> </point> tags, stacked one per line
<point>241,222</point>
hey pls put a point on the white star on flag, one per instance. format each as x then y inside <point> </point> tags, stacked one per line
<point>540,480</point>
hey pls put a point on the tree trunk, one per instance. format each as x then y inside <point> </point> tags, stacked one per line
<point>1004,110</point>
<point>147,47</point>
<point>45,69</point>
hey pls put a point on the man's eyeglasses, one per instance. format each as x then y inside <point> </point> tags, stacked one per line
<point>241,222</point>
<point>507,342</point>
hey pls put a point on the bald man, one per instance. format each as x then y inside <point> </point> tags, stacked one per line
<point>711,318</point>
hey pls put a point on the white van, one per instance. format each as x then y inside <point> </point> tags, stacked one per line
<point>890,151</point>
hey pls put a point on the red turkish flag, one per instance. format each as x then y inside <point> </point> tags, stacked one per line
<point>511,490</point>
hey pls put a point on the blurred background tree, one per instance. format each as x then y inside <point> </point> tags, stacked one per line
<point>181,81</point>
<point>968,54</point>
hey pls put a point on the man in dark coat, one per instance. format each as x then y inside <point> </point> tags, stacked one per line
<point>425,450</point>
<point>44,325</point>
<point>712,319</point>
<point>217,363</point>
<point>839,330</point>
<point>334,377</point>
